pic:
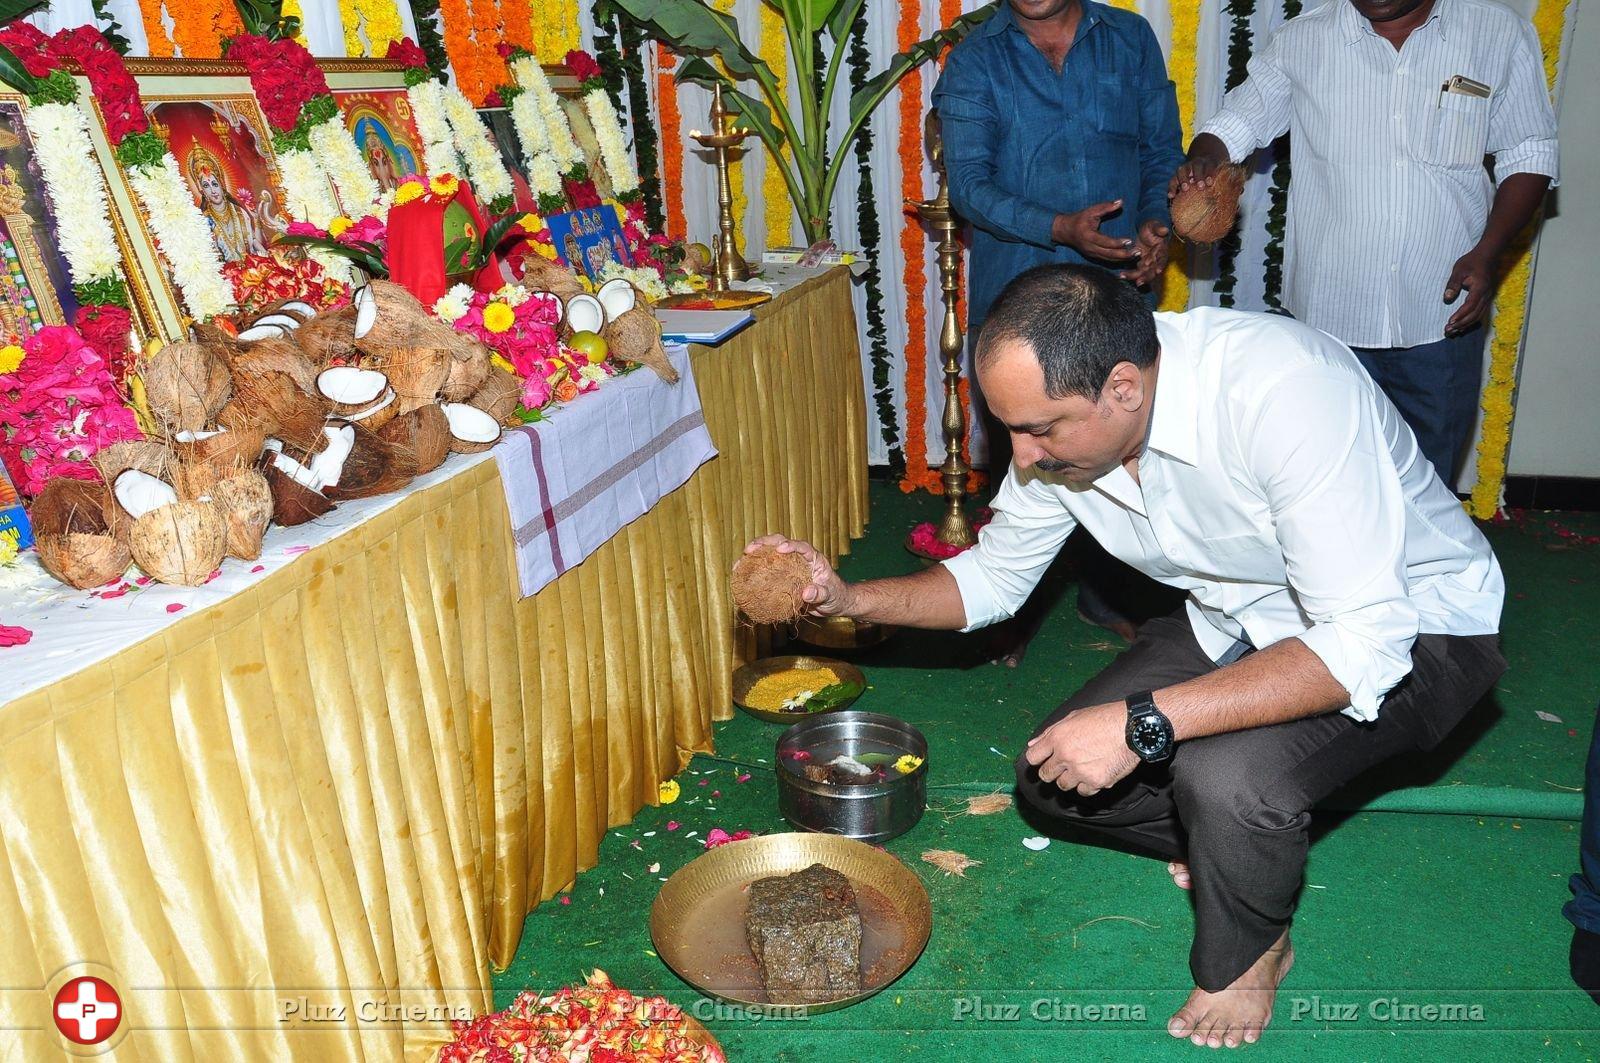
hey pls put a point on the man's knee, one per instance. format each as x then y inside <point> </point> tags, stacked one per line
<point>1213,787</point>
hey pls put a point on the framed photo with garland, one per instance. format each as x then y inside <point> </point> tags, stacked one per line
<point>371,95</point>
<point>505,134</point>
<point>35,279</point>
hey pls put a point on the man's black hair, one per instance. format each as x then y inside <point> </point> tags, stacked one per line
<point>1079,321</point>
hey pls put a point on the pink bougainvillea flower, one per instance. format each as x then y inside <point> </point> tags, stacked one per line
<point>14,636</point>
<point>565,899</point>
<point>673,824</point>
<point>718,836</point>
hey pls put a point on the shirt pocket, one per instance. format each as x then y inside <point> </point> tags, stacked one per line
<point>1236,557</point>
<point>1458,131</point>
<point>1116,105</point>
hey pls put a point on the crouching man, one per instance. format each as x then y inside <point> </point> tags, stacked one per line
<point>1342,608</point>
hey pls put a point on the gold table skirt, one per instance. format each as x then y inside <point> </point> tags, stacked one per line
<point>303,824</point>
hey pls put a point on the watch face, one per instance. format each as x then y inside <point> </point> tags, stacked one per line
<point>1147,736</point>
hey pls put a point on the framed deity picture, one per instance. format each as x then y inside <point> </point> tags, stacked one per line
<point>372,97</point>
<point>504,131</point>
<point>35,283</point>
<point>586,240</point>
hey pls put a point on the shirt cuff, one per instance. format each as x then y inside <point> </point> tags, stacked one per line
<point>1234,132</point>
<point>1366,675</point>
<point>1542,157</point>
<point>1036,224</point>
<point>979,601</point>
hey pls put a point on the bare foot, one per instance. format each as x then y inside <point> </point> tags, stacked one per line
<point>1180,874</point>
<point>1239,1013</point>
<point>1122,627</point>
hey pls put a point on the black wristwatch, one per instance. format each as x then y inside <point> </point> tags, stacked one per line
<point>1149,731</point>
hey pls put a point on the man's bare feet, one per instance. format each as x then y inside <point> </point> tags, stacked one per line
<point>1180,874</point>
<point>1239,1013</point>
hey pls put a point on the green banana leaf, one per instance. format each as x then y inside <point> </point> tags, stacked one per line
<point>265,18</point>
<point>830,697</point>
<point>874,91</point>
<point>693,27</point>
<point>367,256</point>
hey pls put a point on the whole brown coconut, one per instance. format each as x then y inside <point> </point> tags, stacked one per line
<point>375,466</point>
<point>275,390</point>
<point>542,275</point>
<point>424,433</point>
<point>186,384</point>
<point>636,337</point>
<point>767,585</point>
<point>328,337</point>
<point>1204,215</point>
<point>292,503</point>
<point>499,395</point>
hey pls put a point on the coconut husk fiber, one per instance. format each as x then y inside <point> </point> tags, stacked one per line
<point>540,274</point>
<point>141,454</point>
<point>245,503</point>
<point>182,543</point>
<point>636,337</point>
<point>499,395</point>
<point>410,346</point>
<point>275,390</point>
<point>203,463</point>
<point>468,369</point>
<point>424,433</point>
<point>375,466</point>
<point>1205,215</point>
<point>375,414</point>
<point>767,585</point>
<point>292,503</point>
<point>186,384</point>
<point>74,536</point>
<point>329,338</point>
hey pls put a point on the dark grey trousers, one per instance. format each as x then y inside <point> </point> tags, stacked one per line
<point>1236,807</point>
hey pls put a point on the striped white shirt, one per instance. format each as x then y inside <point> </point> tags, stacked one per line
<point>1389,185</point>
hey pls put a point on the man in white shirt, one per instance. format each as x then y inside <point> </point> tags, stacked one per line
<point>1394,229</point>
<point>1342,607</point>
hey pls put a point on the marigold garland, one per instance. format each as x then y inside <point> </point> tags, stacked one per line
<point>377,20</point>
<point>1181,69</point>
<point>913,248</point>
<point>1511,307</point>
<point>456,18</point>
<point>671,141</point>
<point>155,30</point>
<point>774,50</point>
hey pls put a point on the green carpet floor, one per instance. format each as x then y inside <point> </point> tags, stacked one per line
<point>1402,909</point>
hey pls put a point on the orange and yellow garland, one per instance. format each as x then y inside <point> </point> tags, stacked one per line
<point>1181,69</point>
<point>913,246</point>
<point>671,141</point>
<point>198,27</point>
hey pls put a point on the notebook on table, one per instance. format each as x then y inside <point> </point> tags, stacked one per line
<point>709,327</point>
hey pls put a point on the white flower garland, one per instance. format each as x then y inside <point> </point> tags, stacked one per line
<point>306,198</point>
<point>60,134</point>
<point>530,76</point>
<point>182,237</point>
<point>341,160</point>
<point>438,146</point>
<point>525,112</point>
<point>613,147</point>
<point>485,168</point>
<point>543,177</point>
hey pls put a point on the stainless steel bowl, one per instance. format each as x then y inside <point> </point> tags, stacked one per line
<point>869,812</point>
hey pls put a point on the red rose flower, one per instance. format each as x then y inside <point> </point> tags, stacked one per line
<point>582,64</point>
<point>30,46</point>
<point>405,52</point>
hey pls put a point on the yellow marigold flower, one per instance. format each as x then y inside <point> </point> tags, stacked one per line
<point>407,192</point>
<point>908,764</point>
<point>8,550</point>
<point>546,250</point>
<point>499,362</point>
<point>337,226</point>
<point>531,222</point>
<point>669,791</point>
<point>498,317</point>
<point>10,358</point>
<point>444,185</point>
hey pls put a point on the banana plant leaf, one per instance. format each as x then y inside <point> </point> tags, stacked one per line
<point>756,114</point>
<point>12,72</point>
<point>265,18</point>
<point>873,92</point>
<point>693,27</point>
<point>366,256</point>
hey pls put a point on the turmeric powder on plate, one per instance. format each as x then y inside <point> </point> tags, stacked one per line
<point>773,692</point>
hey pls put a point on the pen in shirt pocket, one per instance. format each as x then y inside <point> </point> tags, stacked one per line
<point>1462,86</point>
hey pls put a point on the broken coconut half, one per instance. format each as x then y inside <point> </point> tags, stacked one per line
<point>471,429</point>
<point>366,305</point>
<point>585,313</point>
<point>140,493</point>
<point>617,297</point>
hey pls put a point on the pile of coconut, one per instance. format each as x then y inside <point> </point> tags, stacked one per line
<point>295,413</point>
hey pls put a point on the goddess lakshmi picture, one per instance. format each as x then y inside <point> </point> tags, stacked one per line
<point>380,122</point>
<point>225,154</point>
<point>35,287</point>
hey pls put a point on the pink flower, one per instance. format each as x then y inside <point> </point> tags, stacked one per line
<point>536,392</point>
<point>718,836</point>
<point>173,607</point>
<point>673,824</point>
<point>304,228</point>
<point>566,899</point>
<point>742,778</point>
<point>14,636</point>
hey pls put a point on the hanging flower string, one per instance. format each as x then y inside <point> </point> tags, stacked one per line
<point>1181,68</point>
<point>377,20</point>
<point>913,249</point>
<point>671,141</point>
<point>607,126</point>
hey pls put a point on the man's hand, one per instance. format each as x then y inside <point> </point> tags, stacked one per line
<point>1080,231</point>
<point>1152,250</point>
<point>1474,272</point>
<point>1207,155</point>
<point>1086,750</point>
<point>827,594</point>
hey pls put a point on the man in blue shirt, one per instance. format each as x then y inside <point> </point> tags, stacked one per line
<point>1061,133</point>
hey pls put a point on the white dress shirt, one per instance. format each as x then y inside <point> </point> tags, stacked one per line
<point>1389,187</point>
<point>1281,489</point>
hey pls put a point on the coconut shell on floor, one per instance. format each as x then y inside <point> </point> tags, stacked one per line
<point>182,543</point>
<point>767,584</point>
<point>186,384</point>
<point>375,466</point>
<point>541,274</point>
<point>1205,215</point>
<point>499,395</point>
<point>636,337</point>
<point>424,433</point>
<point>245,503</point>
<point>292,503</point>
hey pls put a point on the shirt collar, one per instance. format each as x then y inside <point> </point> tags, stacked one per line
<point>1356,27</point>
<point>1004,18</point>
<point>1175,419</point>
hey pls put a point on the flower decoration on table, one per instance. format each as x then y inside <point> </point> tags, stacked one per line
<point>262,281</point>
<point>309,135</point>
<point>650,279</point>
<point>58,406</point>
<point>181,234</point>
<point>595,1021</point>
<point>924,538</point>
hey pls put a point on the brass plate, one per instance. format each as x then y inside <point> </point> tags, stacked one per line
<point>841,632</point>
<point>718,300</point>
<point>697,921</point>
<point>746,677</point>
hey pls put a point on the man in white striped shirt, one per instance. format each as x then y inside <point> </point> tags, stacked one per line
<point>1394,227</point>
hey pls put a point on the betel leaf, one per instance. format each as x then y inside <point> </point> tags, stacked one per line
<point>830,697</point>
<point>691,26</point>
<point>756,114</point>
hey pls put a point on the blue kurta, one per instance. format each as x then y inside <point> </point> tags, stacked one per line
<point>1023,143</point>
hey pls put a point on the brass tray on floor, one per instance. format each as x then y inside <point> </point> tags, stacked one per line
<point>841,632</point>
<point>697,920</point>
<point>849,676</point>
